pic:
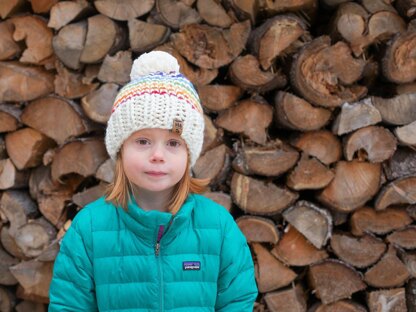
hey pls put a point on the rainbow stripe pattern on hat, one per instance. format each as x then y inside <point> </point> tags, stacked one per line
<point>171,84</point>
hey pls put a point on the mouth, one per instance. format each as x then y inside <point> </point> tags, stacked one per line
<point>156,173</point>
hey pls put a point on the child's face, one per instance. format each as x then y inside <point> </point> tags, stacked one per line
<point>154,159</point>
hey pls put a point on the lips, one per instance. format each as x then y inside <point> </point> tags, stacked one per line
<point>155,173</point>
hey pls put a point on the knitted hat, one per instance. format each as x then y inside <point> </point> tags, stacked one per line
<point>158,96</point>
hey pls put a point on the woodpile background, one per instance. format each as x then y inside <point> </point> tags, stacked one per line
<point>310,135</point>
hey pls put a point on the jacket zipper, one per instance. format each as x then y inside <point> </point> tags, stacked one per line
<point>157,252</point>
<point>160,233</point>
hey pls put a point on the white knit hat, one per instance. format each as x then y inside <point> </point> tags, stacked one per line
<point>158,96</point>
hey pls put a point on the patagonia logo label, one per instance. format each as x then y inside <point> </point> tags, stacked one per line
<point>191,265</point>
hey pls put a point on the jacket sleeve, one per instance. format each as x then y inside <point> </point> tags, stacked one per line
<point>72,286</point>
<point>237,289</point>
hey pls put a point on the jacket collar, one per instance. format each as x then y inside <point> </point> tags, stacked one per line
<point>145,224</point>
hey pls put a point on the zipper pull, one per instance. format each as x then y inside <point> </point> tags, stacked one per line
<point>159,237</point>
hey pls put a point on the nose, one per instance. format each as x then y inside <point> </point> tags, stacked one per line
<point>157,153</point>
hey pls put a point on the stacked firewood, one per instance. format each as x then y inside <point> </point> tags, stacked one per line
<point>310,110</point>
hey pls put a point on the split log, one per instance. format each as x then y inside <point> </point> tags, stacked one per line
<point>9,117</point>
<point>26,147</point>
<point>313,222</point>
<point>401,164</point>
<point>146,36</point>
<point>51,196</point>
<point>68,44</point>
<point>70,84</point>
<point>65,12</point>
<point>243,9</point>
<point>51,251</point>
<point>213,165</point>
<point>213,13</point>
<point>354,184</point>
<point>405,238</point>
<point>256,197</point>
<point>124,10</point>
<point>6,261</point>
<point>398,110</point>
<point>10,7</point>
<point>17,207</point>
<point>393,300</point>
<point>42,6</point>
<point>379,222</point>
<point>35,236</point>
<point>400,191</point>
<point>321,144</point>
<point>407,8</point>
<point>295,113</point>
<point>406,134</point>
<point>90,73</point>
<point>198,76</point>
<point>388,272</point>
<point>10,177</point>
<point>325,74</point>
<point>2,153</point>
<point>176,14</point>
<point>219,97</point>
<point>309,173</point>
<point>114,68</point>
<point>306,7</point>
<point>271,274</point>
<point>293,249</point>
<point>104,37</point>
<point>333,280</point>
<point>360,30</point>
<point>273,159</point>
<point>7,300</point>
<point>224,45</point>
<point>105,171</point>
<point>78,157</point>
<point>37,37</point>
<point>35,278</point>
<point>375,144</point>
<point>57,118</point>
<point>9,244</point>
<point>340,306</point>
<point>289,300</point>
<point>221,198</point>
<point>397,62</point>
<point>23,83</point>
<point>355,116</point>
<point>374,6</point>
<point>250,117</point>
<point>89,195</point>
<point>212,136</point>
<point>360,252</point>
<point>9,49</point>
<point>98,104</point>
<point>258,230</point>
<point>278,36</point>
<point>246,73</point>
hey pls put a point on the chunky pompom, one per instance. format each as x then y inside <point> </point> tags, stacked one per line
<point>152,62</point>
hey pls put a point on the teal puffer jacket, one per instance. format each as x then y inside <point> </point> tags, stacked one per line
<point>113,260</point>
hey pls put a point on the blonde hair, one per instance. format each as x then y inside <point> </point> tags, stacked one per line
<point>119,191</point>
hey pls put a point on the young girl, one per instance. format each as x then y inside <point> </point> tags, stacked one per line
<point>152,243</point>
